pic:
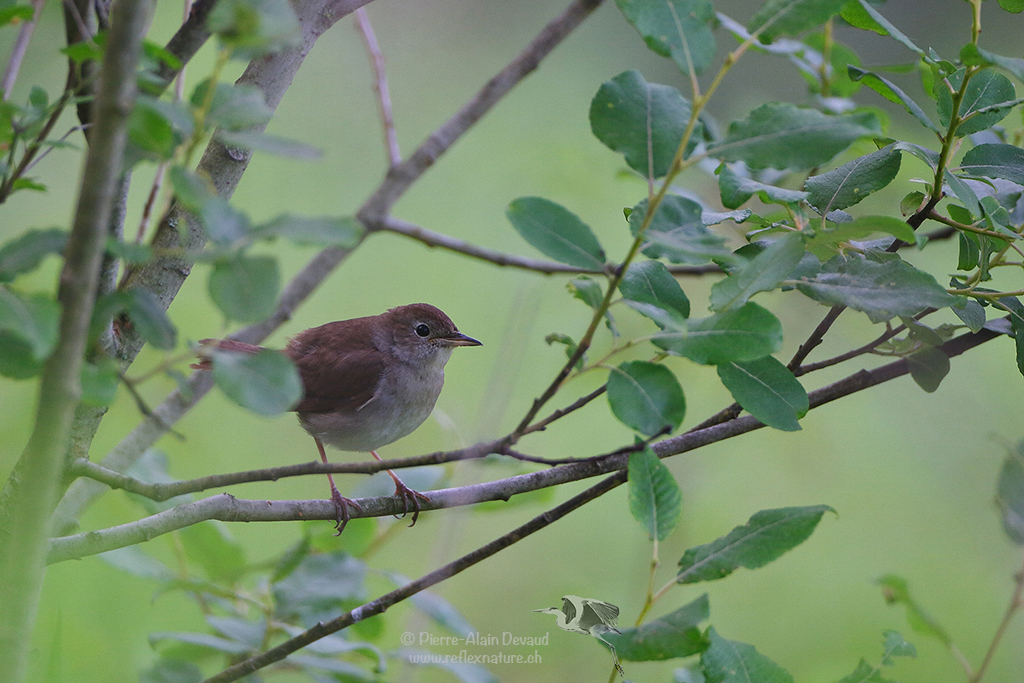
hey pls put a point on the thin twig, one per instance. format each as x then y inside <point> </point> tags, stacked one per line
<point>816,337</point>
<point>380,86</point>
<point>1016,603</point>
<point>18,50</point>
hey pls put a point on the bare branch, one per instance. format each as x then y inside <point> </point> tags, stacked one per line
<point>13,65</point>
<point>380,86</point>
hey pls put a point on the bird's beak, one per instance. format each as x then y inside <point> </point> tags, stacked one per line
<point>459,339</point>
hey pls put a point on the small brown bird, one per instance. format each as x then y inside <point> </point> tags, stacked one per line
<point>368,382</point>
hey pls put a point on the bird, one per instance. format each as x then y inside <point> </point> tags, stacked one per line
<point>367,382</point>
<point>589,617</point>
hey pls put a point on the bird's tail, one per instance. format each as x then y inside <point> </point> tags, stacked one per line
<point>207,346</point>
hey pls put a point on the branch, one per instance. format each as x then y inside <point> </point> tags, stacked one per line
<point>380,86</point>
<point>227,508</point>
<point>18,51</point>
<point>33,487</point>
<point>130,448</point>
<point>378,606</point>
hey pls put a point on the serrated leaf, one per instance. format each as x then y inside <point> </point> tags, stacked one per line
<point>655,499</point>
<point>928,367</point>
<point>993,160</point>
<point>650,282</point>
<point>764,538</point>
<point>25,252</point>
<point>762,273</point>
<point>987,100</point>
<point>642,121</point>
<point>679,29</point>
<point>677,232</point>
<point>315,231</point>
<point>245,287</point>
<point>266,382</point>
<point>556,232</point>
<point>746,333</point>
<point>1010,494</point>
<point>853,181</point>
<point>789,17</point>
<point>825,241</point>
<point>261,142</point>
<point>735,190</point>
<point>891,92</point>
<point>729,661</point>
<point>881,290</point>
<point>670,636</point>
<point>766,389</point>
<point>783,136</point>
<point>896,591</point>
<point>646,397</point>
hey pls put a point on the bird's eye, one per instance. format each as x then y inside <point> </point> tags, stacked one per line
<point>422,330</point>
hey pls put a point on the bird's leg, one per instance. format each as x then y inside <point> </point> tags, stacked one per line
<point>407,494</point>
<point>615,657</point>
<point>341,503</point>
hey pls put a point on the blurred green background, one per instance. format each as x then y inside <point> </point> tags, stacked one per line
<point>912,475</point>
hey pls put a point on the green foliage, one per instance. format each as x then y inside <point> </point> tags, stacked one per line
<point>646,397</point>
<point>556,232</point>
<point>679,29</point>
<point>766,389</point>
<point>654,496</point>
<point>1010,493</point>
<point>266,382</point>
<point>673,635</point>
<point>729,661</point>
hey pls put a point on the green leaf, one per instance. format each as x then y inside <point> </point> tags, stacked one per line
<point>253,28</point>
<point>972,55</point>
<point>853,181</point>
<point>881,290</point>
<point>891,92</point>
<point>261,142</point>
<point>252,633</point>
<point>865,673</point>
<point>210,545</point>
<point>1010,494</point>
<point>650,282</point>
<point>1016,311</point>
<point>322,583</point>
<point>325,231</point>
<point>556,232</point>
<point>889,29</point>
<point>677,232</point>
<point>896,591</point>
<point>245,287</point>
<point>168,670</point>
<point>735,190</point>
<point>789,17</point>
<point>896,646</point>
<point>266,382</point>
<point>25,252</point>
<point>646,397</point>
<point>679,29</point>
<point>674,635</point>
<point>783,136</point>
<point>655,499</point>
<point>729,661</point>
<point>156,128</point>
<point>234,107</point>
<point>292,558</point>
<point>641,121</point>
<point>764,538</point>
<point>964,193</point>
<point>987,90</point>
<point>666,318</point>
<point>928,367</point>
<point>8,15</point>
<point>133,560</point>
<point>586,290</point>
<point>746,333</point>
<point>150,319</point>
<point>970,312</point>
<point>823,244</point>
<point>203,640</point>
<point>99,383</point>
<point>766,389</point>
<point>32,318</point>
<point>1014,6</point>
<point>992,160</point>
<point>762,273</point>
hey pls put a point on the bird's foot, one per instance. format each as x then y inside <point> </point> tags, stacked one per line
<point>341,506</point>
<point>409,497</point>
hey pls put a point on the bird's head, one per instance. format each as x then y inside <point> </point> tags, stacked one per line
<point>549,610</point>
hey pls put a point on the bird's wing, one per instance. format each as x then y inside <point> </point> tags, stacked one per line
<point>328,376</point>
<point>568,609</point>
<point>596,612</point>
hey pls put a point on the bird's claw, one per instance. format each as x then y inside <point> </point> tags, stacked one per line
<point>341,505</point>
<point>408,496</point>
